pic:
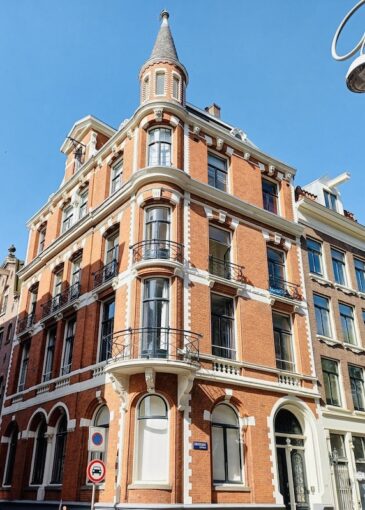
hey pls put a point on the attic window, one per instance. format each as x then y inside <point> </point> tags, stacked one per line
<point>160,83</point>
<point>330,200</point>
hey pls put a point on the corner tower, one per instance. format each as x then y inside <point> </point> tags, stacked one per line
<point>162,76</point>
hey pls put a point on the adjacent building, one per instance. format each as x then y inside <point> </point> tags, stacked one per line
<point>163,299</point>
<point>9,301</point>
<point>334,264</point>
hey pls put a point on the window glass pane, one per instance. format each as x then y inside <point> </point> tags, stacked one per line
<point>338,444</point>
<point>160,83</point>
<point>218,454</point>
<point>152,441</point>
<point>233,454</point>
<point>219,235</point>
<point>224,414</point>
<point>175,87</point>
<point>330,200</point>
<point>322,313</point>
<point>270,195</point>
<point>331,381</point>
<point>314,250</point>
<point>360,274</point>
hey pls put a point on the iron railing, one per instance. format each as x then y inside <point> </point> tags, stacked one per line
<point>156,343</point>
<point>226,269</point>
<point>26,322</point>
<point>106,273</point>
<point>69,294</point>
<point>157,249</point>
<point>283,288</point>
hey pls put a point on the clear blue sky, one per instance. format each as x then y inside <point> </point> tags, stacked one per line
<point>267,63</point>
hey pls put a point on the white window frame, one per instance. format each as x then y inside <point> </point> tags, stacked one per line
<point>146,87</point>
<point>82,194</point>
<point>219,155</point>
<point>7,458</point>
<point>356,327</point>
<point>45,353</point>
<point>62,366</point>
<point>278,187</point>
<point>101,314</point>
<point>26,349</point>
<point>160,71</point>
<point>137,444</point>
<point>243,472</point>
<point>346,272</point>
<point>68,207</point>
<point>293,343</point>
<point>172,131</point>
<point>120,164</point>
<point>177,77</point>
<point>235,325</point>
<point>41,239</point>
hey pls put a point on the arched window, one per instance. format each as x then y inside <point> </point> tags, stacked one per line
<point>159,147</point>
<point>101,419</point>
<point>10,456</point>
<point>59,451</point>
<point>226,449</point>
<point>152,445</point>
<point>40,449</point>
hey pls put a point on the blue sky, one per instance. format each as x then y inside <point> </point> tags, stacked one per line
<point>267,63</point>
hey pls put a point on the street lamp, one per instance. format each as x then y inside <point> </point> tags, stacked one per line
<point>355,77</point>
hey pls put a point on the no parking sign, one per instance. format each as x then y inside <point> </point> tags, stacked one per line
<point>96,439</point>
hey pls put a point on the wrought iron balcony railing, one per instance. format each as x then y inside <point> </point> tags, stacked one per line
<point>156,343</point>
<point>225,269</point>
<point>25,322</point>
<point>283,288</point>
<point>157,249</point>
<point>67,296</point>
<point>106,273</point>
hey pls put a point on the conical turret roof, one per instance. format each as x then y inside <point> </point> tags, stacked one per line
<point>164,48</point>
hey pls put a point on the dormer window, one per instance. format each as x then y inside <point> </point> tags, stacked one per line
<point>330,200</point>
<point>160,83</point>
<point>67,221</point>
<point>116,176</point>
<point>176,87</point>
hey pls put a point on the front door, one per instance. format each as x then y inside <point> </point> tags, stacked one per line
<point>290,461</point>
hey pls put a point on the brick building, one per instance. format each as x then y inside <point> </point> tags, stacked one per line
<point>334,265</point>
<point>163,299</point>
<point>9,301</point>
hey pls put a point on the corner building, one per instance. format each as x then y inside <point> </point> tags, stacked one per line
<point>334,261</point>
<point>170,309</point>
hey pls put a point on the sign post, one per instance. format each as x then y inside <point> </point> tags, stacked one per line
<point>95,472</point>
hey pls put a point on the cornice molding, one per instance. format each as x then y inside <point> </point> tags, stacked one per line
<point>149,175</point>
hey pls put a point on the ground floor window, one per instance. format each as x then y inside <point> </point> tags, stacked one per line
<point>226,447</point>
<point>152,441</point>
<point>59,451</point>
<point>40,449</point>
<point>10,456</point>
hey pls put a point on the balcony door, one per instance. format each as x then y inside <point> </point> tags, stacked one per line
<point>157,233</point>
<point>155,318</point>
<point>276,266</point>
<point>219,252</point>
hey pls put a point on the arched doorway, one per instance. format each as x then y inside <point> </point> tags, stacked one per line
<point>290,444</point>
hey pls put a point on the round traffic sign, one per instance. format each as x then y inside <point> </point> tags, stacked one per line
<point>97,439</point>
<point>96,471</point>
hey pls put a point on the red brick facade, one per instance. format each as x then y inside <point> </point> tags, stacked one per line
<point>207,343</point>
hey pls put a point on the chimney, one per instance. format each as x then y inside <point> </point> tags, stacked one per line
<point>214,110</point>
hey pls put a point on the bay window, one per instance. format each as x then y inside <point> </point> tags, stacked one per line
<point>157,233</point>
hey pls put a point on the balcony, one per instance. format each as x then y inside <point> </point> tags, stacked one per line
<point>157,249</point>
<point>105,274</point>
<point>61,301</point>
<point>163,349</point>
<point>26,323</point>
<point>225,269</point>
<point>284,289</point>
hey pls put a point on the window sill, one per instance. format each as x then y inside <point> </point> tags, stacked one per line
<point>354,348</point>
<point>328,340</point>
<point>339,409</point>
<point>152,485</point>
<point>231,487</point>
<point>320,279</point>
<point>345,289</point>
<point>357,412</point>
